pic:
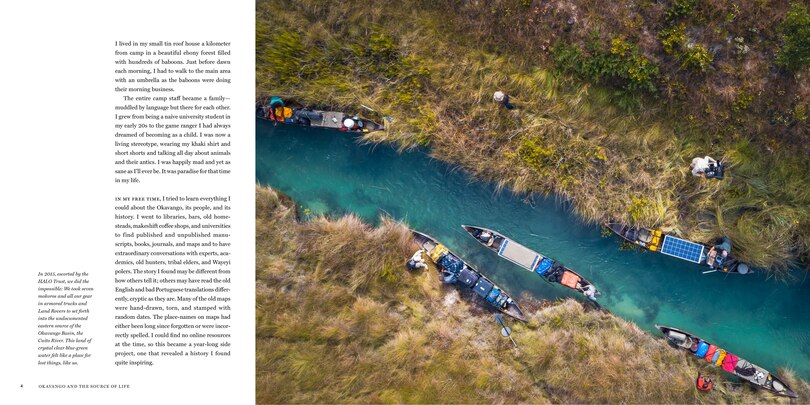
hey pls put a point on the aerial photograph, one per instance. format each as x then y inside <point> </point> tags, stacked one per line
<point>526,201</point>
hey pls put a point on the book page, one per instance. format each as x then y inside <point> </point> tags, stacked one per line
<point>129,195</point>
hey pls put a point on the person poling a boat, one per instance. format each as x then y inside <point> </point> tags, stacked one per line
<point>707,167</point>
<point>704,383</point>
<point>417,262</point>
<point>589,291</point>
<point>718,254</point>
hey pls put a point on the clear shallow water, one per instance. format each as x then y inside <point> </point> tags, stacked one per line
<point>764,321</point>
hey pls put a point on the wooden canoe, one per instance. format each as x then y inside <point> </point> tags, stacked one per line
<point>465,276</point>
<point>293,113</point>
<point>730,363</point>
<point>657,241</point>
<point>530,260</point>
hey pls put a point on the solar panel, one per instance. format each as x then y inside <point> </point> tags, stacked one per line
<point>682,249</point>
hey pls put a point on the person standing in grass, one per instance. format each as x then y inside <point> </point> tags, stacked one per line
<point>502,99</point>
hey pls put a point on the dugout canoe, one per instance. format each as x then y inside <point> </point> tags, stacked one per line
<point>293,113</point>
<point>467,277</point>
<point>729,362</point>
<point>551,270</point>
<point>670,245</point>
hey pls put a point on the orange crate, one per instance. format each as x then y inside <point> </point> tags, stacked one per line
<point>569,279</point>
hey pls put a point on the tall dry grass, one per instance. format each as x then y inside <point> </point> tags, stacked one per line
<point>434,67</point>
<point>341,320</point>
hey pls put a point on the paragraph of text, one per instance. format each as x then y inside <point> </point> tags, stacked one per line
<point>174,113</point>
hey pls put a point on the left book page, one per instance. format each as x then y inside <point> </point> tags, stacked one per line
<point>128,180</point>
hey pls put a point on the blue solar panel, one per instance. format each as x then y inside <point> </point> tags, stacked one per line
<point>682,249</point>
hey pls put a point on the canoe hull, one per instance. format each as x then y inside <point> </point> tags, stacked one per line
<point>520,258</point>
<point>651,240</point>
<point>769,382</point>
<point>308,117</point>
<point>429,244</point>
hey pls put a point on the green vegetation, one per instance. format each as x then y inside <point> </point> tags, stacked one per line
<point>327,70</point>
<point>679,9</point>
<point>612,102</point>
<point>339,319</point>
<point>795,52</point>
<point>673,37</point>
<point>621,67</point>
<point>694,56</point>
<point>697,57</point>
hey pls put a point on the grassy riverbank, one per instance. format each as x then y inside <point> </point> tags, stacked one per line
<point>340,319</point>
<point>610,107</point>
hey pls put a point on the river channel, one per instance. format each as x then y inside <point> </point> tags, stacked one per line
<point>328,172</point>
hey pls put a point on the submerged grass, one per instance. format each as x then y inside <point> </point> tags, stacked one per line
<point>340,320</point>
<point>435,66</point>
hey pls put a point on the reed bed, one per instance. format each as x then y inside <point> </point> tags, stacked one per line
<point>339,319</point>
<point>614,148</point>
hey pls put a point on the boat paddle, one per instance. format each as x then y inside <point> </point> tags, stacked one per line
<point>505,331</point>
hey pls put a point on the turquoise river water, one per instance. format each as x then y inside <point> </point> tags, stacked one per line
<point>328,172</point>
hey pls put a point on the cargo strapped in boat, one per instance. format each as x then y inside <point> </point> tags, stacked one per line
<point>483,287</point>
<point>437,252</point>
<point>678,336</point>
<point>569,279</point>
<point>452,264</point>
<point>730,362</point>
<point>543,266</point>
<point>710,353</point>
<point>703,347</point>
<point>719,355</point>
<point>468,277</point>
<point>493,294</point>
<point>502,300</point>
<point>282,113</point>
